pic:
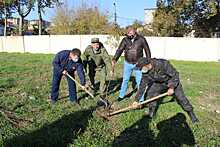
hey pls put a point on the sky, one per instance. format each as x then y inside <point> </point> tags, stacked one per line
<point>127,10</point>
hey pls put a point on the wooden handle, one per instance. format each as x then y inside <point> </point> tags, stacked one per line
<point>80,85</point>
<point>139,105</point>
<point>152,99</point>
<point>122,110</point>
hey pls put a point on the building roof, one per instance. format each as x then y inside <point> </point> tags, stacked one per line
<point>150,8</point>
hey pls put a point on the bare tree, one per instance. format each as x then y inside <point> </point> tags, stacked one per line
<point>23,7</point>
<point>41,5</point>
<point>6,9</point>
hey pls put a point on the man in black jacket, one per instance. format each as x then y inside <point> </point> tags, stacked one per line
<point>159,76</point>
<point>132,45</point>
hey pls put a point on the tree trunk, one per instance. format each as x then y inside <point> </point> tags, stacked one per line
<point>21,25</point>
<point>23,13</point>
<point>40,18</point>
<point>5,28</point>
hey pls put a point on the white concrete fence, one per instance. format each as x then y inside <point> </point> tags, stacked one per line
<point>189,49</point>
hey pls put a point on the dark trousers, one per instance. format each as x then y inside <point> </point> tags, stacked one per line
<point>56,84</point>
<point>157,88</point>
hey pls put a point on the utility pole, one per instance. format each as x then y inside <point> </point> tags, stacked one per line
<point>115,15</point>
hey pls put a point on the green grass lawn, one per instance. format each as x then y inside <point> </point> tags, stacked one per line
<point>25,81</point>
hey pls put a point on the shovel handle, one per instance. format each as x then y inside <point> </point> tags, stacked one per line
<point>139,105</point>
<point>80,85</point>
<point>152,99</point>
<point>122,110</point>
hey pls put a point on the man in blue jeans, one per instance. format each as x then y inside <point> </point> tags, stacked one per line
<point>132,45</point>
<point>67,61</point>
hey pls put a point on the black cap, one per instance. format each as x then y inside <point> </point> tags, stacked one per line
<point>143,61</point>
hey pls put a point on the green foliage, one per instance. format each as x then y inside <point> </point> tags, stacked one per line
<point>64,124</point>
<point>82,20</point>
<point>179,17</point>
<point>172,18</point>
<point>206,17</point>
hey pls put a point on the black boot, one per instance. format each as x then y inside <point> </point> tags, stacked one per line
<point>150,112</point>
<point>193,117</point>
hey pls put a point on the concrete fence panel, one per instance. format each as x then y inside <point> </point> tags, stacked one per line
<point>37,44</point>
<point>1,44</point>
<point>13,44</point>
<point>157,46</point>
<point>64,42</point>
<point>195,49</point>
<point>178,48</point>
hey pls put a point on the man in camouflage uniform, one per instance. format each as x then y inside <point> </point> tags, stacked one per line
<point>97,63</point>
<point>159,76</point>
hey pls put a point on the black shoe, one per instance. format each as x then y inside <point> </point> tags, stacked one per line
<point>147,114</point>
<point>119,99</point>
<point>72,101</point>
<point>150,113</point>
<point>193,117</point>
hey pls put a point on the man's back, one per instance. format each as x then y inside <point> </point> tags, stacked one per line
<point>162,71</point>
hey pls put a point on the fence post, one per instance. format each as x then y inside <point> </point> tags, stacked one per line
<point>23,43</point>
<point>218,39</point>
<point>2,47</point>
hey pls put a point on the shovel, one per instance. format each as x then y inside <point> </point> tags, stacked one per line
<point>131,107</point>
<point>77,83</point>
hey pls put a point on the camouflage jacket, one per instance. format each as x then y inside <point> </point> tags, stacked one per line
<point>99,59</point>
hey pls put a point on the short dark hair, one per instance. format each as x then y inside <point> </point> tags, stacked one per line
<point>76,51</point>
<point>143,61</point>
<point>131,28</point>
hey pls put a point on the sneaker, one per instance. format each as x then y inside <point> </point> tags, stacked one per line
<point>74,101</point>
<point>119,99</point>
<point>52,102</point>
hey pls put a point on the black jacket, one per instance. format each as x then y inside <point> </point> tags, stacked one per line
<point>162,72</point>
<point>133,51</point>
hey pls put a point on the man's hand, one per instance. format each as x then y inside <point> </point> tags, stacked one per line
<point>111,73</point>
<point>113,63</point>
<point>135,104</point>
<point>86,86</point>
<point>170,91</point>
<point>83,87</point>
<point>64,72</point>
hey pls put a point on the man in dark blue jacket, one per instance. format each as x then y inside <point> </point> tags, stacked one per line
<point>67,61</point>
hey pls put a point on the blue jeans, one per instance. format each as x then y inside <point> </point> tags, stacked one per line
<point>56,84</point>
<point>128,69</point>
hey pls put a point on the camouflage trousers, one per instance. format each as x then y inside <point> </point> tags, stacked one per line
<point>95,75</point>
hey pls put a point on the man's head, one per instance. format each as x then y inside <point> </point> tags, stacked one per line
<point>144,64</point>
<point>75,54</point>
<point>95,43</point>
<point>131,32</point>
